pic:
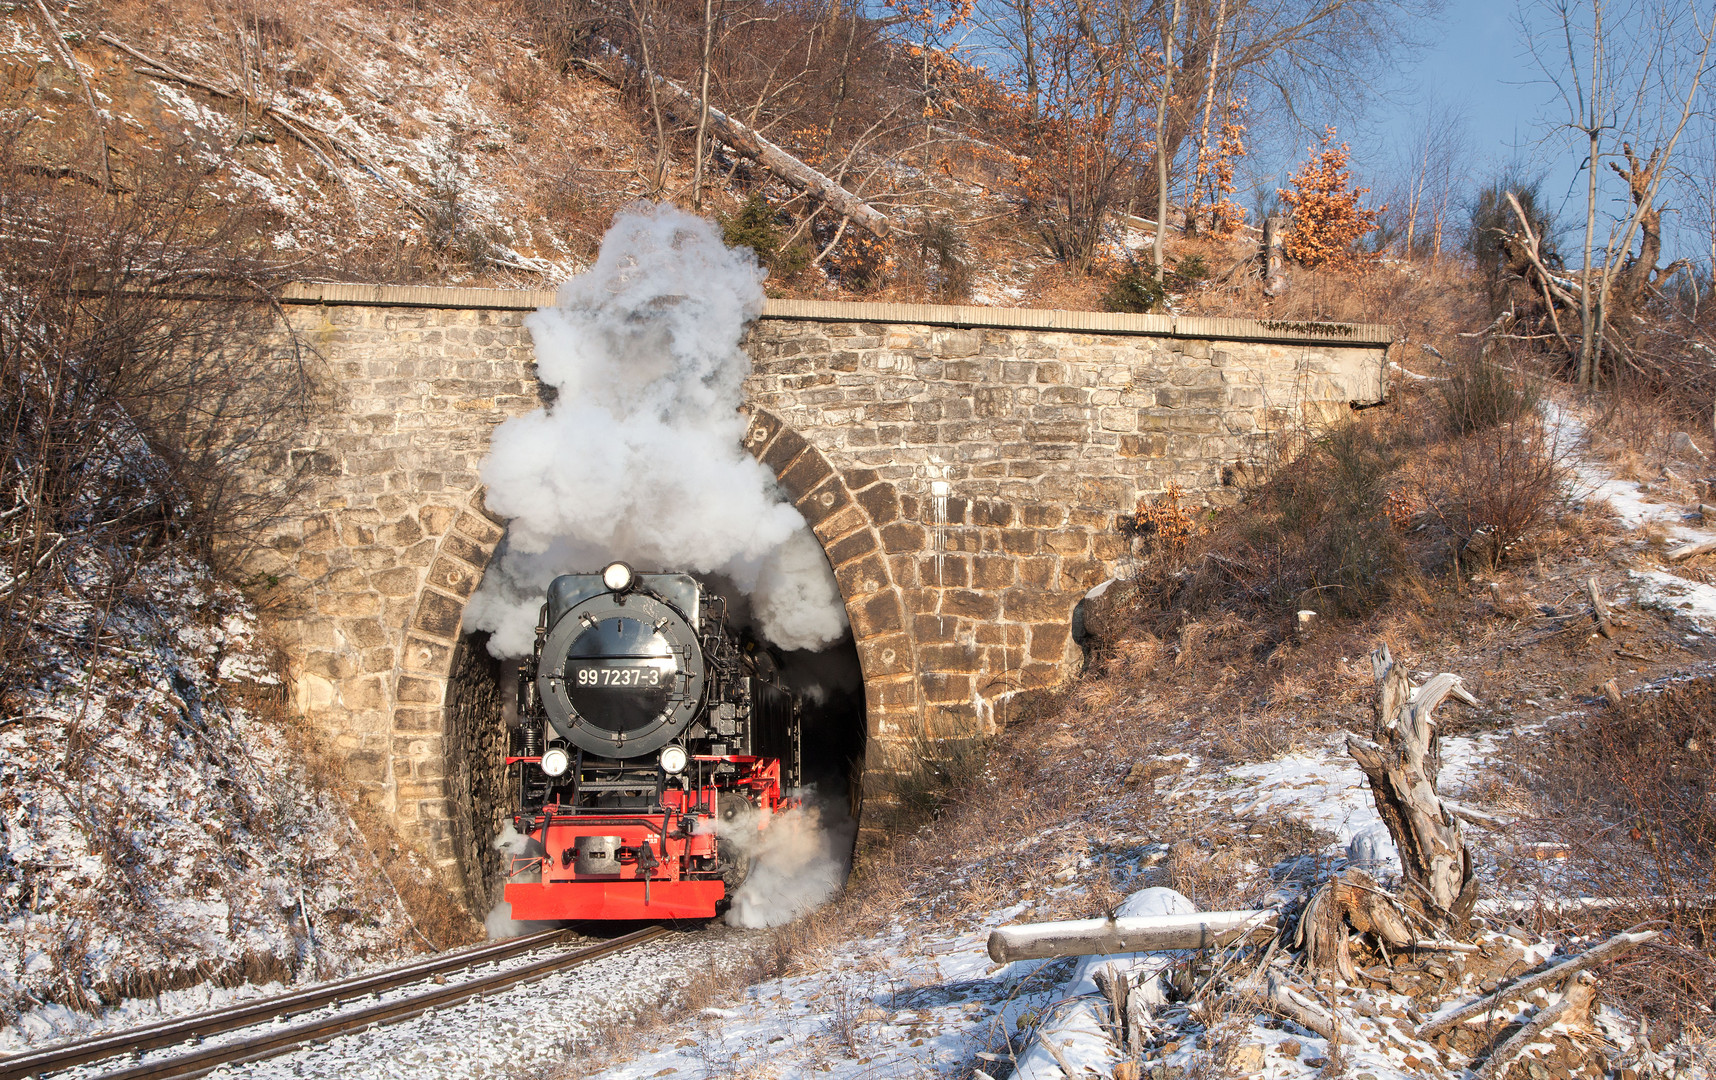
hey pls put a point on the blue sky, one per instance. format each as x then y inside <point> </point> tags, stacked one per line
<point>1478,62</point>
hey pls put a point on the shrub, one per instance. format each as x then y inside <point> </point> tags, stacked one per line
<point>1188,273</point>
<point>1491,487</point>
<point>758,227</point>
<point>1640,781</point>
<point>1481,394</point>
<point>1135,291</point>
<point>1167,522</point>
<point>1352,556</point>
<point>753,227</point>
<point>129,415</point>
<point>1318,533</point>
<point>1327,219</point>
<point>931,774</point>
<point>943,256</point>
<point>1491,220</point>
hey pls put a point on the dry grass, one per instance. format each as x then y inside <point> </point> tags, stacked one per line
<point>1631,793</point>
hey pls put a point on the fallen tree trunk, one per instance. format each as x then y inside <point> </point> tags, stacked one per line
<point>1690,550</point>
<point>1619,945</point>
<point>1142,933</point>
<point>1286,1002</point>
<point>749,143</point>
<point>1574,1008</point>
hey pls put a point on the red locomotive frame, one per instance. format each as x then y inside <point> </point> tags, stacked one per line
<point>657,875</point>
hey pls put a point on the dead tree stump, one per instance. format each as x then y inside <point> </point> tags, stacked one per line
<point>1402,771</point>
<point>1402,766</point>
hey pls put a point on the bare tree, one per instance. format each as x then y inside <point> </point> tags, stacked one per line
<point>1624,75</point>
<point>1163,103</point>
<point>703,103</point>
<point>132,420</point>
<point>1289,58</point>
<point>1432,173</point>
<point>1695,182</point>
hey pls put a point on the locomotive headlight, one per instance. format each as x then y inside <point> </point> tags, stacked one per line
<point>617,576</point>
<point>555,761</point>
<point>673,760</point>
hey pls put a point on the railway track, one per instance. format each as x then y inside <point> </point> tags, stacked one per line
<point>274,1037</point>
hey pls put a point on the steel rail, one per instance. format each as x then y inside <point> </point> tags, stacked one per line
<point>173,1032</point>
<point>285,1040</point>
<point>202,1025</point>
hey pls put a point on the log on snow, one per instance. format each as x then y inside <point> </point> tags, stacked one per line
<point>1142,933</point>
<point>1619,945</point>
<point>1284,1001</point>
<point>1689,550</point>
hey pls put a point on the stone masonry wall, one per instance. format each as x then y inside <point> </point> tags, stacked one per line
<point>992,464</point>
<point>964,479</point>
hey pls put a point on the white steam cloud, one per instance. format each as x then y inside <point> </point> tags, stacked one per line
<point>799,862</point>
<point>500,924</point>
<point>639,457</point>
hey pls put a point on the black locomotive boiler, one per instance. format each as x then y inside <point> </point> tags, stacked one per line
<point>644,720</point>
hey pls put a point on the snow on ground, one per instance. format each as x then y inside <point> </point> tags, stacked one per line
<point>1638,506</point>
<point>154,830</point>
<point>907,1002</point>
<point>916,1001</point>
<point>1693,601</point>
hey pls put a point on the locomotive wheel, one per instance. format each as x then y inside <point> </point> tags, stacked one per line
<point>732,807</point>
<point>735,864</point>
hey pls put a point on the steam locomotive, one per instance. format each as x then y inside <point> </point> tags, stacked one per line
<point>646,726</point>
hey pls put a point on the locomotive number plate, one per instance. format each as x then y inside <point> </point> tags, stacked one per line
<point>648,673</point>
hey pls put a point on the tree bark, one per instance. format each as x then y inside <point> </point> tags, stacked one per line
<point>1274,236</point>
<point>1161,136</point>
<point>1431,841</point>
<point>650,79</point>
<point>703,105</point>
<point>1635,276</point>
<point>1142,933</point>
<point>1209,106</point>
<point>1619,945</point>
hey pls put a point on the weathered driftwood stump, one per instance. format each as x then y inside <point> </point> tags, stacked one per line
<point>1436,866</point>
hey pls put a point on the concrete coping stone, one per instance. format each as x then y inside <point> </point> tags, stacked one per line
<point>947,315</point>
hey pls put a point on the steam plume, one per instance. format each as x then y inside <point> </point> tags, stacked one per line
<point>799,863</point>
<point>500,924</point>
<point>638,458</point>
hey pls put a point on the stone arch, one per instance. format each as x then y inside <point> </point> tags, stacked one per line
<point>443,684</point>
<point>853,515</point>
<point>436,732</point>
